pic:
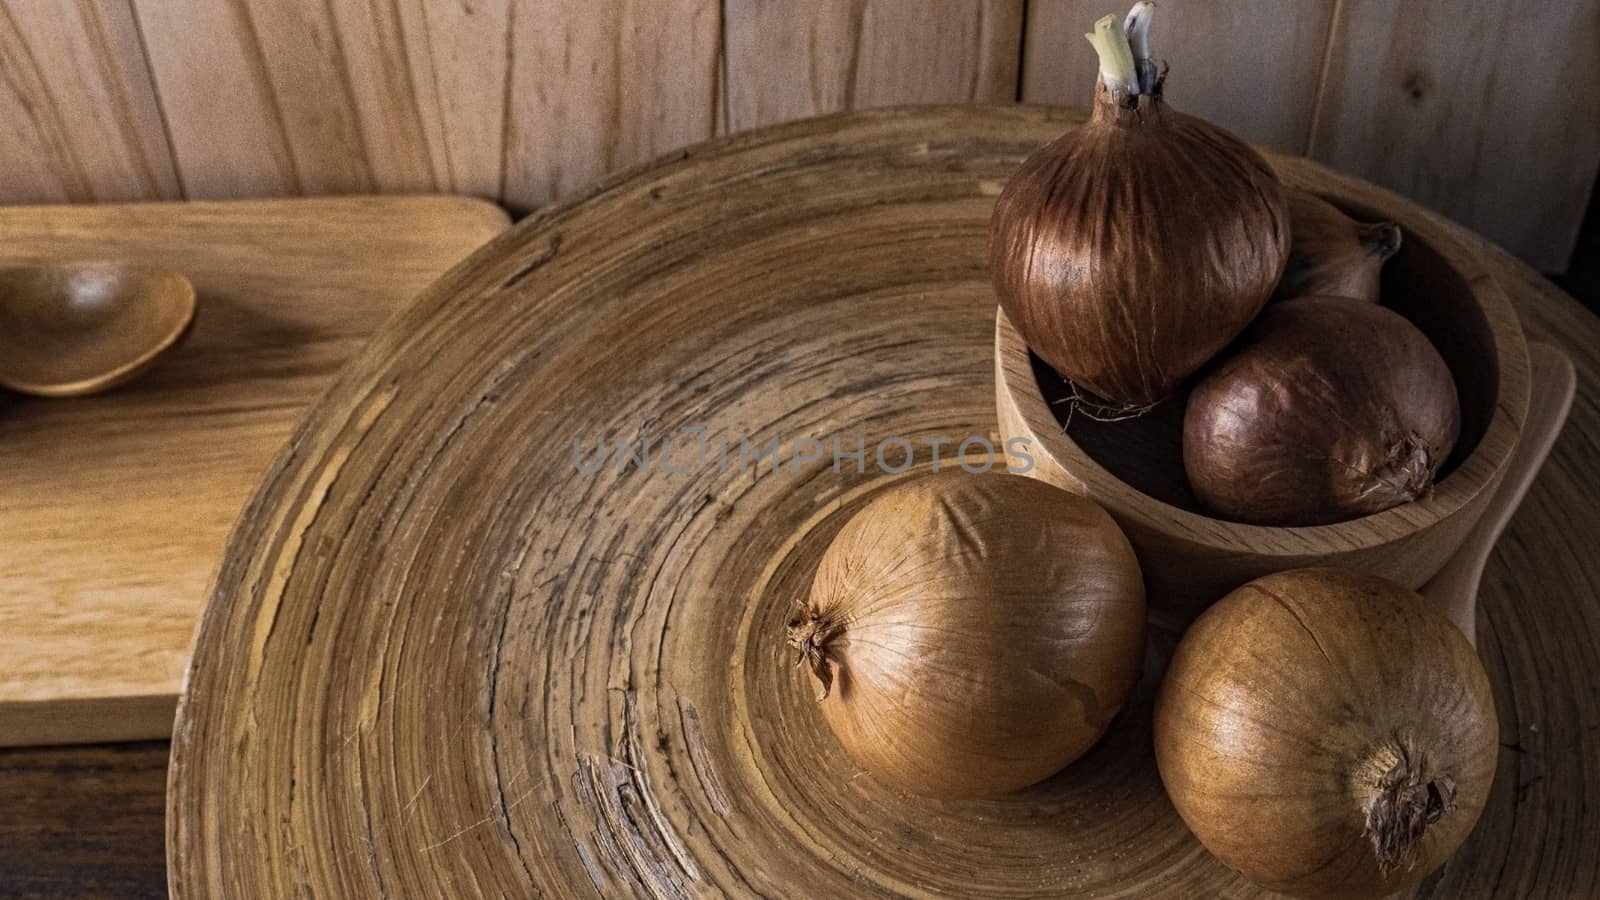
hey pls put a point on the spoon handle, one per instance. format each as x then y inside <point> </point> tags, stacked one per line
<point>1455,588</point>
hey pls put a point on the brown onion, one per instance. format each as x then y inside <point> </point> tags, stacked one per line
<point>972,635</point>
<point>1330,410</point>
<point>1331,254</point>
<point>1133,248</point>
<point>1327,734</point>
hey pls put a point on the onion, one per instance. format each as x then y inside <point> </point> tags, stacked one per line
<point>1329,411</point>
<point>1327,734</point>
<point>1333,255</point>
<point>1132,249</point>
<point>972,635</point>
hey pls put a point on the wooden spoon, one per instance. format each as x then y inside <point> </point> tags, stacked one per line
<point>1455,588</point>
<point>80,328</point>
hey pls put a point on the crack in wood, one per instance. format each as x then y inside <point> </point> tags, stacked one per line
<point>533,265</point>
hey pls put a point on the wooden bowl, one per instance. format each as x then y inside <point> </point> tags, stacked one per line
<point>1134,467</point>
<point>82,328</point>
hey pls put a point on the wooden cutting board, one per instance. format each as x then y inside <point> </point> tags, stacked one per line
<point>114,509</point>
<point>440,659</point>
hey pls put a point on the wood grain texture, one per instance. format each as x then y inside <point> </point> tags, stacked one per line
<point>255,97</point>
<point>83,822</point>
<point>597,87</point>
<point>1455,588</point>
<point>525,101</point>
<point>266,98</point>
<point>429,82</point>
<point>81,118</point>
<point>1443,101</point>
<point>1251,66</point>
<point>437,658</point>
<point>522,100</point>
<point>788,60</point>
<point>113,509</point>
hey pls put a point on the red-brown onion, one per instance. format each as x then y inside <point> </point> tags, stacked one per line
<point>1333,255</point>
<point>1133,248</point>
<point>1328,411</point>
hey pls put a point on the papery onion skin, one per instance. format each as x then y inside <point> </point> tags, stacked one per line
<point>1297,709</point>
<point>973,634</point>
<point>1132,249</point>
<point>1328,411</point>
<point>1332,254</point>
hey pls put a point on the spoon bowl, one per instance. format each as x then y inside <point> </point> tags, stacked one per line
<point>81,328</point>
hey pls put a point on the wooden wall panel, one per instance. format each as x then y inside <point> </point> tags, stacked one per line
<point>79,119</point>
<point>1486,110</point>
<point>429,83</point>
<point>255,97</point>
<point>598,86</point>
<point>269,97</point>
<point>788,59</point>
<point>520,100</point>
<point>1252,66</point>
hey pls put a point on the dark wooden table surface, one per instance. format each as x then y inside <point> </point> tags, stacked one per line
<point>83,821</point>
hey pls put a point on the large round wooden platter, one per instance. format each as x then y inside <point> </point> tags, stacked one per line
<point>443,661</point>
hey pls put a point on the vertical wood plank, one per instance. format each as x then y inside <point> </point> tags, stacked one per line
<point>1486,110</point>
<point>266,97</point>
<point>78,115</point>
<point>788,59</point>
<point>429,83</point>
<point>595,87</point>
<point>1251,66</point>
<point>236,130</point>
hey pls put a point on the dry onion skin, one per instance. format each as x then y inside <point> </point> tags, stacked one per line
<point>972,635</point>
<point>1327,734</point>
<point>1333,255</point>
<point>1133,248</point>
<point>1330,410</point>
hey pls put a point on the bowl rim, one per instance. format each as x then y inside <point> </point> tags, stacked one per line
<point>164,278</point>
<point>1476,475</point>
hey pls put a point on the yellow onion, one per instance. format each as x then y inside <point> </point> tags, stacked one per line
<point>971,635</point>
<point>1329,410</point>
<point>1132,249</point>
<point>1327,734</point>
<point>1331,254</point>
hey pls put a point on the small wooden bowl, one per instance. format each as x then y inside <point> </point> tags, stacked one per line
<point>82,328</point>
<point>1135,467</point>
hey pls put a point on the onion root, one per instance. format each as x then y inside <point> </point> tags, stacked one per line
<point>1079,401</point>
<point>1404,803</point>
<point>1381,239</point>
<point>1405,475</point>
<point>809,635</point>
